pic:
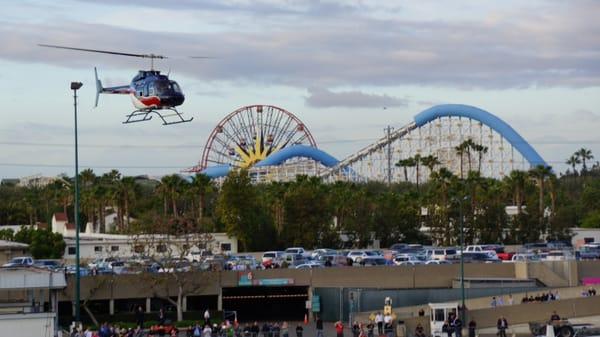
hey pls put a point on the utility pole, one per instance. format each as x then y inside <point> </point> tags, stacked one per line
<point>76,86</point>
<point>388,130</point>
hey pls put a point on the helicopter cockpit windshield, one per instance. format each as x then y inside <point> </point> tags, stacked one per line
<point>164,88</point>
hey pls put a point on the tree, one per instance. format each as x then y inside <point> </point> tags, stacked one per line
<point>573,161</point>
<point>584,155</point>
<point>430,162</point>
<point>461,149</point>
<point>418,161</point>
<point>199,188</point>
<point>481,150</point>
<point>591,220</point>
<point>43,243</point>
<point>541,173</point>
<point>404,163</point>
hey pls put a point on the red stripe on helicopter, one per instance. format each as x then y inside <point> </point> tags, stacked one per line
<point>149,101</point>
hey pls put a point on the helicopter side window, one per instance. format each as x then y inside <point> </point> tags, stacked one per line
<point>161,87</point>
<point>175,87</point>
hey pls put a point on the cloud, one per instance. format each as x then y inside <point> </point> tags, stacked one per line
<point>553,46</point>
<point>324,98</point>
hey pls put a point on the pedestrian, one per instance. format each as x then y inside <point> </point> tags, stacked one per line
<point>255,329</point>
<point>265,330</point>
<point>502,325</point>
<point>510,299</point>
<point>371,329</point>
<point>419,331</point>
<point>457,326</point>
<point>299,330</point>
<point>206,317</point>
<point>379,322</point>
<point>139,316</point>
<point>276,330</point>
<point>207,331</point>
<point>472,327</point>
<point>196,330</point>
<point>447,329</point>
<point>355,329</point>
<point>320,327</point>
<point>161,316</point>
<point>388,328</point>
<point>421,312</point>
<point>339,329</point>
<point>494,303</point>
<point>285,332</point>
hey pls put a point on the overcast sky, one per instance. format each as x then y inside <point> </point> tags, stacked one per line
<point>335,64</point>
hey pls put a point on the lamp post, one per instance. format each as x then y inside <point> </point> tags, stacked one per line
<point>462,263</point>
<point>76,86</point>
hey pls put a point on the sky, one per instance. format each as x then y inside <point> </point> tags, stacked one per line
<point>334,64</point>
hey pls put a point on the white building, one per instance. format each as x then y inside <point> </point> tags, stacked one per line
<point>93,246</point>
<point>582,236</point>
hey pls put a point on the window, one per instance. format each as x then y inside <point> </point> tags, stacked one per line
<point>161,248</point>
<point>71,250</point>
<point>114,248</point>
<point>588,240</point>
<point>138,249</point>
<point>98,249</point>
<point>439,315</point>
<point>226,247</point>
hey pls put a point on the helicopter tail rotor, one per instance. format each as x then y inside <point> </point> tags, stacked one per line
<point>99,87</point>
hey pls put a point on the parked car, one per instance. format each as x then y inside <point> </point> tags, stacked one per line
<point>48,264</point>
<point>358,255</point>
<point>72,269</point>
<point>525,257</point>
<point>374,261</point>
<point>589,252</point>
<point>103,262</point>
<point>442,254</point>
<point>409,263</point>
<point>297,250</point>
<point>309,265</point>
<point>334,260</point>
<point>322,251</point>
<point>438,262</point>
<point>400,258</point>
<point>272,258</point>
<point>293,260</point>
<point>481,257</point>
<point>21,261</point>
<point>198,255</point>
<point>558,255</point>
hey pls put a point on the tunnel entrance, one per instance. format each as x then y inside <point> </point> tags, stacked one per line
<point>266,303</point>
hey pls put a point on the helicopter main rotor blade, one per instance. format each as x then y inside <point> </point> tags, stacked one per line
<point>202,57</point>
<point>151,56</point>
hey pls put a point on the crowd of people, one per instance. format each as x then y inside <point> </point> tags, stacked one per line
<point>541,297</point>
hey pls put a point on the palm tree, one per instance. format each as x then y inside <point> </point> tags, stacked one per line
<point>573,161</point>
<point>128,189</point>
<point>430,162</point>
<point>481,150</point>
<point>516,181</point>
<point>461,149</point>
<point>418,161</point>
<point>540,173</point>
<point>584,154</point>
<point>200,186</point>
<point>404,163</point>
<point>171,188</point>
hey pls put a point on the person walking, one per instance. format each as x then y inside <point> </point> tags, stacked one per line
<point>285,331</point>
<point>355,329</point>
<point>502,325</point>
<point>379,322</point>
<point>299,330</point>
<point>472,327</point>
<point>371,329</point>
<point>457,326</point>
<point>139,316</point>
<point>339,329</point>
<point>161,316</point>
<point>320,327</point>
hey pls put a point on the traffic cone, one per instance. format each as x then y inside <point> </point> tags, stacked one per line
<point>305,319</point>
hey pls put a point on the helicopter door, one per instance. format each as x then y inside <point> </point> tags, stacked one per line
<point>149,89</point>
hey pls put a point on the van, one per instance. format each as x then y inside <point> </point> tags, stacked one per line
<point>442,254</point>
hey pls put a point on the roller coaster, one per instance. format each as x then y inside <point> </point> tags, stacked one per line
<point>275,145</point>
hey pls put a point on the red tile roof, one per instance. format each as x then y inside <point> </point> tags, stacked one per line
<point>70,226</point>
<point>60,217</point>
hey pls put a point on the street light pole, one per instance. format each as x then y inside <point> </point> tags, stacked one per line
<point>462,262</point>
<point>75,86</point>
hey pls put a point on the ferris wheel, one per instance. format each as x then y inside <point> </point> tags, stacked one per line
<point>250,134</point>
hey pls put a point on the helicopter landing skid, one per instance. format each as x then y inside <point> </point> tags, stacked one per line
<point>146,115</point>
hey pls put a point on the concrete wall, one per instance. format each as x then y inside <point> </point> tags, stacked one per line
<point>27,325</point>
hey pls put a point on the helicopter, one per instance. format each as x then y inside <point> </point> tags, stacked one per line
<point>151,92</point>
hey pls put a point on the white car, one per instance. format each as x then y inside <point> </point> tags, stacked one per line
<point>296,251</point>
<point>272,256</point>
<point>198,255</point>
<point>102,263</point>
<point>401,258</point>
<point>438,262</point>
<point>322,251</point>
<point>358,255</point>
<point>22,261</point>
<point>309,265</point>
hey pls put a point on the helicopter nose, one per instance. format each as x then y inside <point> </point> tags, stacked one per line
<point>173,100</point>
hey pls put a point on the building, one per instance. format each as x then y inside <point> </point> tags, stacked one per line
<point>582,236</point>
<point>9,249</point>
<point>93,246</point>
<point>29,301</point>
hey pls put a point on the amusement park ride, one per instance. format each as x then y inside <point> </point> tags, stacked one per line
<point>151,92</point>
